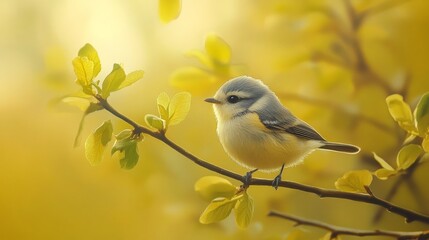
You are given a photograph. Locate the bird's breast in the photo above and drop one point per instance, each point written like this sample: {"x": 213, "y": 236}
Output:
{"x": 249, "y": 143}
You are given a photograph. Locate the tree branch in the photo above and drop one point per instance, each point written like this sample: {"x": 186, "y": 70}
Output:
{"x": 323, "y": 193}
{"x": 336, "y": 230}
{"x": 362, "y": 70}
{"x": 407, "y": 178}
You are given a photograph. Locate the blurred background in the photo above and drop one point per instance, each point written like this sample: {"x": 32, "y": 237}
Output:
{"x": 332, "y": 63}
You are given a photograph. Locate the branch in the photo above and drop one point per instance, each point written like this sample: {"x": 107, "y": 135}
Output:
{"x": 365, "y": 73}
{"x": 323, "y": 193}
{"x": 336, "y": 230}
{"x": 407, "y": 178}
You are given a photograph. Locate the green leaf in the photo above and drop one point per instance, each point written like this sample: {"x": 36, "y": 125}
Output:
{"x": 401, "y": 113}
{"x": 179, "y": 107}
{"x": 89, "y": 51}
{"x": 97, "y": 141}
{"x": 384, "y": 174}
{"x": 131, "y": 78}
{"x": 218, "y": 49}
{"x": 130, "y": 157}
{"x": 163, "y": 101}
{"x": 422, "y": 114}
{"x": 169, "y": 10}
{"x": 93, "y": 107}
{"x": 126, "y": 133}
{"x": 211, "y": 187}
{"x": 155, "y": 122}
{"x": 382, "y": 163}
{"x": 84, "y": 71}
{"x": 408, "y": 155}
{"x": 113, "y": 81}
{"x": 354, "y": 181}
{"x": 217, "y": 210}
{"x": 128, "y": 147}
{"x": 244, "y": 210}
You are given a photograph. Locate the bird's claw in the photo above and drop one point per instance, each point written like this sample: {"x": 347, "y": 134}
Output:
{"x": 278, "y": 178}
{"x": 276, "y": 181}
{"x": 248, "y": 178}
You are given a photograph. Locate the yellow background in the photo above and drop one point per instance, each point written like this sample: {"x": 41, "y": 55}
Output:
{"x": 48, "y": 190}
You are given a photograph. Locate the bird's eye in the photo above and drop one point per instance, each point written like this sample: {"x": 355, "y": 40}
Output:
{"x": 233, "y": 99}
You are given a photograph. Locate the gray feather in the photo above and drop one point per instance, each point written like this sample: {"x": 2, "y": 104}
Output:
{"x": 284, "y": 121}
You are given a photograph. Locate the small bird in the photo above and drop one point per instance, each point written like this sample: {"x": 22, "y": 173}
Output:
{"x": 259, "y": 133}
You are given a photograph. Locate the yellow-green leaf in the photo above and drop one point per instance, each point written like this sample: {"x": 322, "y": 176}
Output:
{"x": 155, "y": 122}
{"x": 217, "y": 210}
{"x": 194, "y": 80}
{"x": 163, "y": 101}
{"x": 179, "y": 108}
{"x": 84, "y": 71}
{"x": 401, "y": 112}
{"x": 382, "y": 162}
{"x": 131, "y": 78}
{"x": 126, "y": 133}
{"x": 354, "y": 181}
{"x": 218, "y": 49}
{"x": 408, "y": 155}
{"x": 384, "y": 174}
{"x": 112, "y": 82}
{"x": 127, "y": 146}
{"x": 169, "y": 10}
{"x": 244, "y": 210}
{"x": 130, "y": 157}
{"x": 422, "y": 114}
{"x": 97, "y": 141}
{"x": 211, "y": 187}
{"x": 89, "y": 51}
{"x": 425, "y": 143}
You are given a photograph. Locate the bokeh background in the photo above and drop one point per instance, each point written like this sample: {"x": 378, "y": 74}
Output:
{"x": 331, "y": 62}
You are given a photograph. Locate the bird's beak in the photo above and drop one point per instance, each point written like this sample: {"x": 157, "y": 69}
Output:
{"x": 212, "y": 100}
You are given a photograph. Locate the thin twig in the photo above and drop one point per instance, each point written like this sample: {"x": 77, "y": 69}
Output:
{"x": 323, "y": 193}
{"x": 364, "y": 72}
{"x": 336, "y": 230}
{"x": 404, "y": 178}
{"x": 392, "y": 192}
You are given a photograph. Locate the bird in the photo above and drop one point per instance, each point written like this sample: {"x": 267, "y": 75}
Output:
{"x": 259, "y": 133}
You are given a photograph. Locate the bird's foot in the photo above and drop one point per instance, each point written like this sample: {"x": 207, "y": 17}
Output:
{"x": 248, "y": 178}
{"x": 276, "y": 181}
{"x": 278, "y": 178}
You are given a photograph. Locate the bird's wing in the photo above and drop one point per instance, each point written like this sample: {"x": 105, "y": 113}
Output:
{"x": 293, "y": 126}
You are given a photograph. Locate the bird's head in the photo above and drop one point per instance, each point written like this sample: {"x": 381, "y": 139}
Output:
{"x": 239, "y": 95}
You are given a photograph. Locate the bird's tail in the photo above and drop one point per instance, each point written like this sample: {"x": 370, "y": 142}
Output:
{"x": 340, "y": 147}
